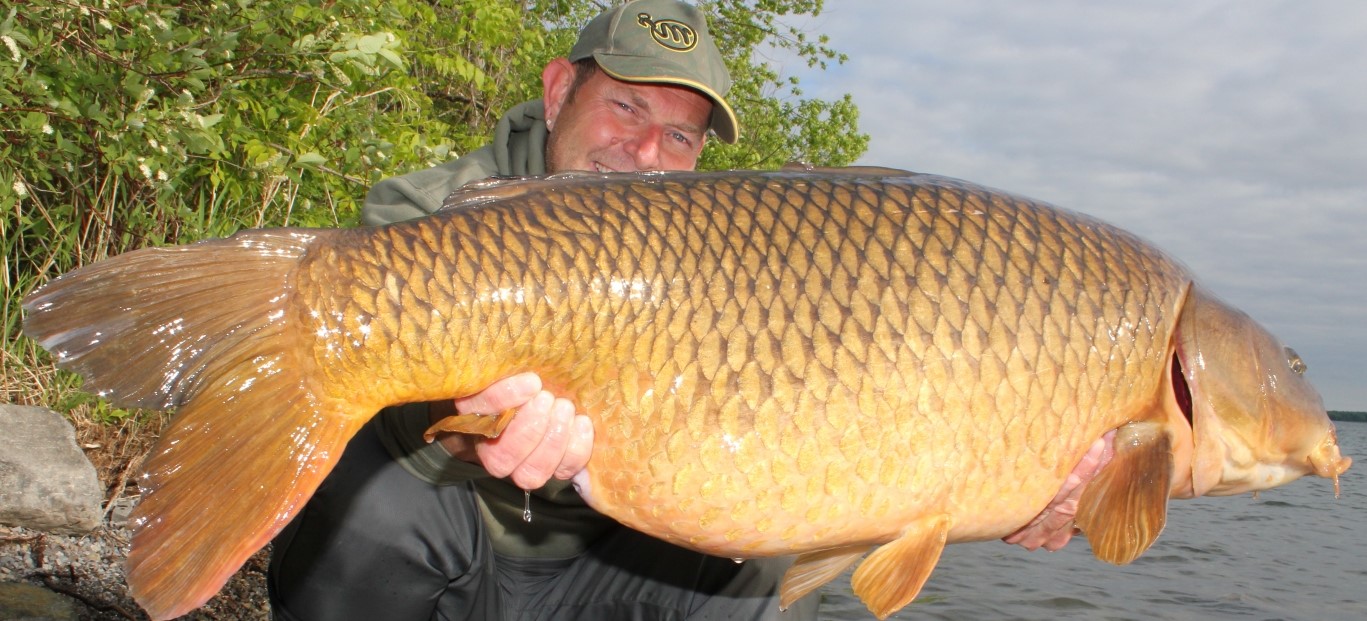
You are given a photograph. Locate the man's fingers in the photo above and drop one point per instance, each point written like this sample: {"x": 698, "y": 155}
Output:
{"x": 502, "y": 455}
{"x": 509, "y": 392}
{"x": 543, "y": 461}
{"x": 544, "y": 439}
{"x": 577, "y": 453}
{"x": 1054, "y": 526}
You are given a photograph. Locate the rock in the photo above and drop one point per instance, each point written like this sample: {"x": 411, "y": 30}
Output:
{"x": 26, "y": 602}
{"x": 46, "y": 481}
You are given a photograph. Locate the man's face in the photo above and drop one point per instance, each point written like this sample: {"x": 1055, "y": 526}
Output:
{"x": 609, "y": 125}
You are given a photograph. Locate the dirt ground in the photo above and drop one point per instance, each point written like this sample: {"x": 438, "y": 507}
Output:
{"x": 89, "y": 569}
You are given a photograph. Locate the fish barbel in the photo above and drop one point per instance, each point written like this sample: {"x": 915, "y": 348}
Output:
{"x": 824, "y": 363}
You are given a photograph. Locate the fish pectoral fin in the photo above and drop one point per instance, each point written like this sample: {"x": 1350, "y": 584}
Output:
{"x": 893, "y": 574}
{"x": 487, "y": 425}
{"x": 1124, "y": 508}
{"x": 813, "y": 569}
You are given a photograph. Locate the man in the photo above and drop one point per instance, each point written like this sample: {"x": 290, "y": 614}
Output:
{"x": 403, "y": 529}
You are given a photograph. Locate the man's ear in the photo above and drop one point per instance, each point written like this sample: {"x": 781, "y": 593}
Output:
{"x": 556, "y": 80}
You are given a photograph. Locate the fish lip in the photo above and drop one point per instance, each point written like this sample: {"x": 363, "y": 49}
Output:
{"x": 1327, "y": 461}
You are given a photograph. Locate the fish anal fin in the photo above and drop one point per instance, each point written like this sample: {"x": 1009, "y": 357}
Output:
{"x": 892, "y": 575}
{"x": 487, "y": 425}
{"x": 813, "y": 569}
{"x": 1125, "y": 507}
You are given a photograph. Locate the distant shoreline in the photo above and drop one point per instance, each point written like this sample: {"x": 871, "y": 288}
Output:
{"x": 1352, "y": 417}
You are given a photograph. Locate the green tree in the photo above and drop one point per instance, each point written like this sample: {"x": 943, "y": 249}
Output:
{"x": 779, "y": 125}
{"x": 1352, "y": 417}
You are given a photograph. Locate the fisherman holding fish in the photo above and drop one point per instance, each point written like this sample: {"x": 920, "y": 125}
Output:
{"x": 855, "y": 366}
{"x": 406, "y": 529}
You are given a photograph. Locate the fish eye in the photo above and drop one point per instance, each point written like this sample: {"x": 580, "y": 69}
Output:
{"x": 1294, "y": 361}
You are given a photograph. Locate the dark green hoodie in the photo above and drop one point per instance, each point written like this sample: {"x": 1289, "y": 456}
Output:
{"x": 518, "y": 150}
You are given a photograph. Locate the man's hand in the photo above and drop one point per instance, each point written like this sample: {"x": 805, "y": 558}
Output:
{"x": 1053, "y": 527}
{"x": 545, "y": 438}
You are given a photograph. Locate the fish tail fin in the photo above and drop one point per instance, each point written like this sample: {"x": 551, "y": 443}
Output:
{"x": 239, "y": 477}
{"x": 146, "y": 328}
{"x": 208, "y": 328}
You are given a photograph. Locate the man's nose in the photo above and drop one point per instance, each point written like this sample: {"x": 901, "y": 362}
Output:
{"x": 644, "y": 147}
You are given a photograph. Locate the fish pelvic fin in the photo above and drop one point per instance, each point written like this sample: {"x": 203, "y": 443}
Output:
{"x": 812, "y": 570}
{"x": 1125, "y": 507}
{"x": 207, "y": 328}
{"x": 892, "y": 576}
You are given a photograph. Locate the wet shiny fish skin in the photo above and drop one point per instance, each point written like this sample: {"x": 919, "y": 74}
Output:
{"x": 798, "y": 362}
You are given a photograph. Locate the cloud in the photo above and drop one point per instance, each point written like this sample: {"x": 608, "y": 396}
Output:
{"x": 1232, "y": 134}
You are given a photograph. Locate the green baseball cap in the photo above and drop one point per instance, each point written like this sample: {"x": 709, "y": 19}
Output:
{"x": 661, "y": 41}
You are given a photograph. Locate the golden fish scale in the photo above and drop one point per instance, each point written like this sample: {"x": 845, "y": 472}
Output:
{"x": 773, "y": 366}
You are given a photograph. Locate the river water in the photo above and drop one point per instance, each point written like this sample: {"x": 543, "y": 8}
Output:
{"x": 1292, "y": 553}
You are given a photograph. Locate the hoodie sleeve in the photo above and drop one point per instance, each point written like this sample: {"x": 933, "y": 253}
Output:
{"x": 518, "y": 149}
{"x": 420, "y": 193}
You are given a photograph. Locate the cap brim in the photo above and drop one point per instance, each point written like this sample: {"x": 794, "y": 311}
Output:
{"x": 637, "y": 69}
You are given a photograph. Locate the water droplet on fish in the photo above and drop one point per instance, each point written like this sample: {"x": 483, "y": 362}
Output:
{"x": 738, "y": 560}
{"x": 527, "y": 506}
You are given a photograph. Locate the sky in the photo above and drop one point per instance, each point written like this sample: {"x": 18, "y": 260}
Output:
{"x": 1233, "y": 135}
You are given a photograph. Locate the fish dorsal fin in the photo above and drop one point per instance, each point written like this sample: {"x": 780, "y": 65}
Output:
{"x": 813, "y": 569}
{"x": 498, "y": 189}
{"x": 864, "y": 171}
{"x": 495, "y": 189}
{"x": 1124, "y": 508}
{"x": 489, "y": 190}
{"x": 894, "y": 573}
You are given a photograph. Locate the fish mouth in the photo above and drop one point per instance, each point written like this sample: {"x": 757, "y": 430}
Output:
{"x": 1328, "y": 462}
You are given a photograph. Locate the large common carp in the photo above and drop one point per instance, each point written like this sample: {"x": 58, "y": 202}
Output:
{"x": 819, "y": 363}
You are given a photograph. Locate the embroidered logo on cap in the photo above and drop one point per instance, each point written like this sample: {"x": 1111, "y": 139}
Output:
{"x": 672, "y": 34}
